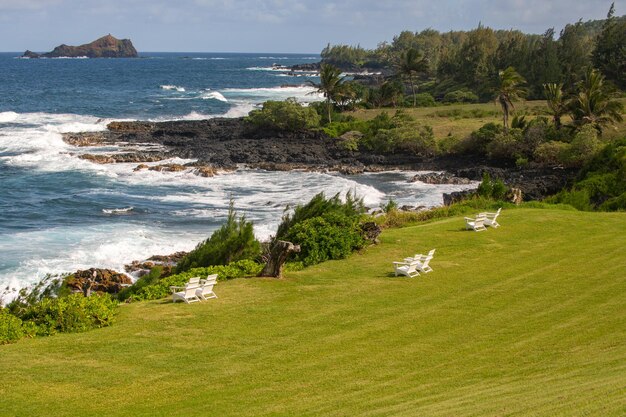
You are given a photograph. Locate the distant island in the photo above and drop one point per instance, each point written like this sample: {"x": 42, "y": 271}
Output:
{"x": 106, "y": 47}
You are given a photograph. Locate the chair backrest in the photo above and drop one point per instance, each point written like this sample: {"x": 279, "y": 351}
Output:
{"x": 190, "y": 290}
{"x": 431, "y": 253}
{"x": 497, "y": 214}
{"x": 207, "y": 287}
{"x": 426, "y": 261}
{"x": 194, "y": 281}
{"x": 212, "y": 277}
{"x": 479, "y": 222}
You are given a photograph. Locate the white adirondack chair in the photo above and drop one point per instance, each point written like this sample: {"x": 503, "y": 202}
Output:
{"x": 408, "y": 269}
{"x": 477, "y": 224}
{"x": 205, "y": 291}
{"x": 186, "y": 293}
{"x": 490, "y": 218}
{"x": 423, "y": 264}
{"x": 420, "y": 257}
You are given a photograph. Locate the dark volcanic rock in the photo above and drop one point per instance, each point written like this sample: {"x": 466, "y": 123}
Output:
{"x": 106, "y": 47}
{"x": 102, "y": 280}
{"x": 439, "y": 178}
{"x": 224, "y": 143}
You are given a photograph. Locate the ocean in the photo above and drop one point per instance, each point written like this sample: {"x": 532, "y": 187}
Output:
{"x": 59, "y": 213}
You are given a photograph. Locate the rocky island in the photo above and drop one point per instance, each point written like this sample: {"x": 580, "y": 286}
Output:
{"x": 106, "y": 47}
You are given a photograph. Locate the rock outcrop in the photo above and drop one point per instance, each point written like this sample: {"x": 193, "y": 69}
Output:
{"x": 106, "y": 47}
{"x": 98, "y": 280}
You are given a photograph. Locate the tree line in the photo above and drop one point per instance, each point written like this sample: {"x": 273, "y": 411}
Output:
{"x": 469, "y": 62}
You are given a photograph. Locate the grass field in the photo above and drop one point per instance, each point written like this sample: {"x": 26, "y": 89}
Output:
{"x": 462, "y": 119}
{"x": 528, "y": 319}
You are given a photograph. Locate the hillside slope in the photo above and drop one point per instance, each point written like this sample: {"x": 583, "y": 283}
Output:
{"x": 527, "y": 319}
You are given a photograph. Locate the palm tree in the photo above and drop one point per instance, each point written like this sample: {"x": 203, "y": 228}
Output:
{"x": 331, "y": 85}
{"x": 410, "y": 64}
{"x": 556, "y": 102}
{"x": 510, "y": 89}
{"x": 593, "y": 104}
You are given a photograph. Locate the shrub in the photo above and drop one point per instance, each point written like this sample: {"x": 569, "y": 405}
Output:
{"x": 551, "y": 153}
{"x": 318, "y": 206}
{"x": 10, "y": 327}
{"x": 584, "y": 146}
{"x": 232, "y": 242}
{"x": 153, "y": 276}
{"x": 324, "y": 228}
{"x": 330, "y": 236}
{"x": 506, "y": 145}
{"x": 411, "y": 137}
{"x": 460, "y": 96}
{"x": 73, "y": 313}
{"x": 424, "y": 100}
{"x": 288, "y": 115}
{"x": 478, "y": 140}
{"x": 489, "y": 188}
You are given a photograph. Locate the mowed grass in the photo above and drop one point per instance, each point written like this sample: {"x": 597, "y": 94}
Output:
{"x": 460, "y": 120}
{"x": 527, "y": 319}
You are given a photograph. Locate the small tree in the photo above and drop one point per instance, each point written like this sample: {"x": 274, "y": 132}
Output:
{"x": 410, "y": 64}
{"x": 510, "y": 88}
{"x": 331, "y": 85}
{"x": 556, "y": 102}
{"x": 593, "y": 104}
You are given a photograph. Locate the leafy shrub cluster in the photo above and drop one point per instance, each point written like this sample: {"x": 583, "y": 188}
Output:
{"x": 601, "y": 184}
{"x": 69, "y": 314}
{"x": 387, "y": 134}
{"x": 492, "y": 189}
{"x": 288, "y": 115}
{"x": 460, "y": 96}
{"x": 160, "y": 287}
{"x": 232, "y": 242}
{"x": 324, "y": 228}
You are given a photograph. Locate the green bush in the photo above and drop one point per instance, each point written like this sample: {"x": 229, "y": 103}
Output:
{"x": 74, "y": 313}
{"x": 161, "y": 288}
{"x": 318, "y": 206}
{"x": 478, "y": 141}
{"x": 324, "y": 228}
{"x": 489, "y": 188}
{"x": 288, "y": 115}
{"x": 10, "y": 327}
{"x": 506, "y": 145}
{"x": 423, "y": 100}
{"x": 601, "y": 184}
{"x": 551, "y": 153}
{"x": 330, "y": 236}
{"x": 460, "y": 96}
{"x": 232, "y": 242}
{"x": 584, "y": 146}
{"x": 448, "y": 145}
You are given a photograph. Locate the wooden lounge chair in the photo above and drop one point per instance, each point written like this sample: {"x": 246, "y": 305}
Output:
{"x": 423, "y": 266}
{"x": 420, "y": 257}
{"x": 186, "y": 293}
{"x": 477, "y": 224}
{"x": 490, "y": 218}
{"x": 205, "y": 291}
{"x": 408, "y": 269}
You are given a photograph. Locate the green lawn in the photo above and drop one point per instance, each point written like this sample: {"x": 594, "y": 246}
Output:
{"x": 527, "y": 319}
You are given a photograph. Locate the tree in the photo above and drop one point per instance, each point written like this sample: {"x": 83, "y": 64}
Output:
{"x": 593, "y": 104}
{"x": 609, "y": 55}
{"x": 575, "y": 46}
{"x": 411, "y": 63}
{"x": 331, "y": 85}
{"x": 509, "y": 89}
{"x": 556, "y": 102}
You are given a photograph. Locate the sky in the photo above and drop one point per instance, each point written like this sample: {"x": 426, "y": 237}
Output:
{"x": 270, "y": 25}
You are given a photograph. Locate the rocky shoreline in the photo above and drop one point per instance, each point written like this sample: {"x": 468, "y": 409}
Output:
{"x": 226, "y": 144}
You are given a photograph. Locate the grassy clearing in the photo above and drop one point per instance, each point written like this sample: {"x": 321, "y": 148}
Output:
{"x": 460, "y": 120}
{"x": 528, "y": 319}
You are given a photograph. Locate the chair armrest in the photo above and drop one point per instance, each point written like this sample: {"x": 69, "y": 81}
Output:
{"x": 471, "y": 219}
{"x": 401, "y": 263}
{"x": 175, "y": 287}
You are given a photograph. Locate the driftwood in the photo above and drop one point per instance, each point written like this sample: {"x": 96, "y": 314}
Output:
{"x": 277, "y": 257}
